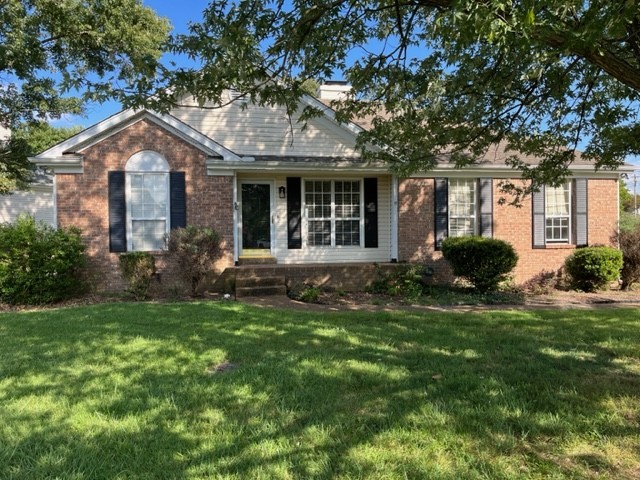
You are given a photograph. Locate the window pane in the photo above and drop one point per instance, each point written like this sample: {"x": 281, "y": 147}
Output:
{"x": 348, "y": 232}
{"x": 136, "y": 181}
{"x": 148, "y": 234}
{"x": 319, "y": 233}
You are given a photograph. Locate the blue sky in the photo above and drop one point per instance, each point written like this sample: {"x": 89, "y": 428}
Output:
{"x": 179, "y": 13}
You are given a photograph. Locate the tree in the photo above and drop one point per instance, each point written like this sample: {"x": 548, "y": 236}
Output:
{"x": 626, "y": 198}
{"x": 440, "y": 77}
{"x": 56, "y": 55}
{"x": 27, "y": 140}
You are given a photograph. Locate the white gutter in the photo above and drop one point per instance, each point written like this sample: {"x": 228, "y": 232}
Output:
{"x": 61, "y": 164}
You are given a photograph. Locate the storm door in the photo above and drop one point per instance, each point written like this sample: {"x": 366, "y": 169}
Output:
{"x": 256, "y": 218}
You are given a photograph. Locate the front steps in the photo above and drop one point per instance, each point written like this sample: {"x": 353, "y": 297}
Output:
{"x": 259, "y": 281}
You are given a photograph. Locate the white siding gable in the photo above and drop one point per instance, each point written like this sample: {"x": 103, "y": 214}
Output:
{"x": 255, "y": 130}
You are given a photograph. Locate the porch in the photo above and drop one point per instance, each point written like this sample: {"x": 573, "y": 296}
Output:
{"x": 267, "y": 279}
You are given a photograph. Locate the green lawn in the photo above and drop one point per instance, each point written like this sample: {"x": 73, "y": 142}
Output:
{"x": 122, "y": 391}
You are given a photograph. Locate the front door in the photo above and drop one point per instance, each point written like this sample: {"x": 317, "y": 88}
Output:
{"x": 256, "y": 218}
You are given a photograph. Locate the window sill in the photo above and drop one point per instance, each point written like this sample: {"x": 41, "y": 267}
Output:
{"x": 560, "y": 246}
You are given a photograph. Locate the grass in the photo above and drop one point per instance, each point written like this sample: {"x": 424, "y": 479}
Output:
{"x": 124, "y": 391}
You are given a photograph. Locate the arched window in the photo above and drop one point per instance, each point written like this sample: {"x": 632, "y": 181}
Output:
{"x": 147, "y": 194}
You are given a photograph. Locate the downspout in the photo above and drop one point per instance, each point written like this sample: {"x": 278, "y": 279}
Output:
{"x": 618, "y": 212}
{"x": 394, "y": 218}
{"x": 55, "y": 201}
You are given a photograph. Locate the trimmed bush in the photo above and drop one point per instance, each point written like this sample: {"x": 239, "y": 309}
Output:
{"x": 138, "y": 269}
{"x": 593, "y": 268}
{"x": 484, "y": 262}
{"x": 629, "y": 242}
{"x": 195, "y": 249}
{"x": 38, "y": 263}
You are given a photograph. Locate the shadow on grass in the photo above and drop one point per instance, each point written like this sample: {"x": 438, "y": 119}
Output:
{"x": 121, "y": 391}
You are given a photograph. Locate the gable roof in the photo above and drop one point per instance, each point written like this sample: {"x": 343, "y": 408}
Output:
{"x": 121, "y": 120}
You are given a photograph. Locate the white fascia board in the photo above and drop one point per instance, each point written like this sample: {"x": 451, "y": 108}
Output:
{"x": 122, "y": 120}
{"x": 216, "y": 167}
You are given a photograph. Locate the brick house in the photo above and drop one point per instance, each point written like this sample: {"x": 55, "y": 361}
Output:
{"x": 301, "y": 199}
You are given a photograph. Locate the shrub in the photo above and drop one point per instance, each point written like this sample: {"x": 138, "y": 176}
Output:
{"x": 305, "y": 292}
{"x": 38, "y": 263}
{"x": 138, "y": 269}
{"x": 406, "y": 281}
{"x": 544, "y": 282}
{"x": 629, "y": 241}
{"x": 592, "y": 268}
{"x": 484, "y": 262}
{"x": 195, "y": 250}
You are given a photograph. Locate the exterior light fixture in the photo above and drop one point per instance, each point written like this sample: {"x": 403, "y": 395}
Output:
{"x": 282, "y": 192}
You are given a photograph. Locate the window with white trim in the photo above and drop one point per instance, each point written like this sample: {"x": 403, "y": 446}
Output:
{"x": 462, "y": 207}
{"x": 147, "y": 193}
{"x": 334, "y": 212}
{"x": 557, "y": 212}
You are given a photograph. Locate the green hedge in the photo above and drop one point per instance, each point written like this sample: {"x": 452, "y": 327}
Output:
{"x": 485, "y": 262}
{"x": 593, "y": 268}
{"x": 38, "y": 263}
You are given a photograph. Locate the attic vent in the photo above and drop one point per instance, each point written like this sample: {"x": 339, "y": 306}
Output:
{"x": 236, "y": 96}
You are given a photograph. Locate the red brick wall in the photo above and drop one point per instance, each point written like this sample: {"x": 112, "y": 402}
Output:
{"x": 416, "y": 222}
{"x": 82, "y": 199}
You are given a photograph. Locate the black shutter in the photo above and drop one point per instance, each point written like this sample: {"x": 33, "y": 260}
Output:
{"x": 538, "y": 228}
{"x": 486, "y": 207}
{"x": 371, "y": 213}
{"x": 582, "y": 200}
{"x": 441, "y": 210}
{"x": 117, "y": 212}
{"x": 294, "y": 212}
{"x": 177, "y": 200}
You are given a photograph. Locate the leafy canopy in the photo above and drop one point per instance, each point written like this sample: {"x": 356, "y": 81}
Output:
{"x": 98, "y": 49}
{"x": 440, "y": 77}
{"x": 26, "y": 140}
{"x": 57, "y": 54}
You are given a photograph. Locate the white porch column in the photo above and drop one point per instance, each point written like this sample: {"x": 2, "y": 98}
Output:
{"x": 394, "y": 218}
{"x": 236, "y": 250}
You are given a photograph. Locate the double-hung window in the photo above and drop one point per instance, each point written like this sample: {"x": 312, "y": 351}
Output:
{"x": 462, "y": 207}
{"x": 334, "y": 212}
{"x": 147, "y": 193}
{"x": 557, "y": 208}
{"x": 149, "y": 210}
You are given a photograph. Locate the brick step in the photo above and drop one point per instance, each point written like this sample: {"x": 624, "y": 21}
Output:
{"x": 260, "y": 291}
{"x": 258, "y": 281}
{"x": 249, "y": 260}
{"x": 249, "y": 271}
